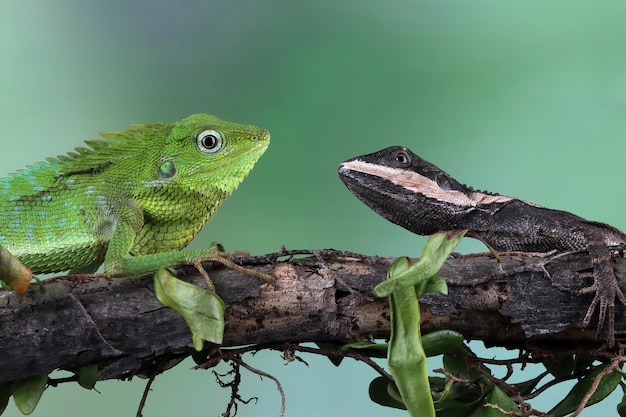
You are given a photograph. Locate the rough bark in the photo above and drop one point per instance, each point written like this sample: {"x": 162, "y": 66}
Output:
{"x": 67, "y": 323}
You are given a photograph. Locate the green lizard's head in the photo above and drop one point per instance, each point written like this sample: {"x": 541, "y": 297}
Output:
{"x": 203, "y": 152}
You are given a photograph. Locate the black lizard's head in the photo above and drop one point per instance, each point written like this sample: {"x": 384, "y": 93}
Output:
{"x": 409, "y": 191}
{"x": 401, "y": 166}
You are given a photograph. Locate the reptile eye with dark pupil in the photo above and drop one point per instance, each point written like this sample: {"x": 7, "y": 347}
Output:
{"x": 402, "y": 158}
{"x": 209, "y": 141}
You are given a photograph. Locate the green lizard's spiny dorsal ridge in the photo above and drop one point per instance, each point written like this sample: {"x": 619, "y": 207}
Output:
{"x": 145, "y": 190}
{"x": 98, "y": 150}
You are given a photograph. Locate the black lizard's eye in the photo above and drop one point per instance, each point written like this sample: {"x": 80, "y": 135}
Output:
{"x": 209, "y": 141}
{"x": 402, "y": 158}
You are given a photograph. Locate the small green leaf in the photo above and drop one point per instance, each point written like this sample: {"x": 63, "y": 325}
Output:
{"x": 202, "y": 310}
{"x": 381, "y": 347}
{"x": 572, "y": 400}
{"x": 27, "y": 392}
{"x": 441, "y": 341}
{"x": 498, "y": 398}
{"x": 621, "y": 407}
{"x": 373, "y": 350}
{"x": 87, "y": 376}
{"x": 379, "y": 393}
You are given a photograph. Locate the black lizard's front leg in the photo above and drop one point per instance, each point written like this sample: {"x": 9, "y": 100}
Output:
{"x": 540, "y": 228}
{"x": 605, "y": 286}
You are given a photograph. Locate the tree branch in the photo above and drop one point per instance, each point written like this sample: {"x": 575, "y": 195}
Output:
{"x": 68, "y": 323}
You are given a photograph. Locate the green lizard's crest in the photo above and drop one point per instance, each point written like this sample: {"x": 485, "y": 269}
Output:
{"x": 98, "y": 151}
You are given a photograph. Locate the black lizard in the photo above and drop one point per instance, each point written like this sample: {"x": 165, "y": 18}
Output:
{"x": 417, "y": 195}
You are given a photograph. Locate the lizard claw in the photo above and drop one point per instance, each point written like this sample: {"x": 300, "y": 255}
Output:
{"x": 604, "y": 301}
{"x": 224, "y": 259}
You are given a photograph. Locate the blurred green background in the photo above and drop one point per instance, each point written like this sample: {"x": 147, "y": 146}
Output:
{"x": 523, "y": 98}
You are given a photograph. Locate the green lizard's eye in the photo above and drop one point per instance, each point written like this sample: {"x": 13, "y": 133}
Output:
{"x": 209, "y": 141}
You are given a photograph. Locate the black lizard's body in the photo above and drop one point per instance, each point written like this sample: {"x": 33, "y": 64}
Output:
{"x": 417, "y": 195}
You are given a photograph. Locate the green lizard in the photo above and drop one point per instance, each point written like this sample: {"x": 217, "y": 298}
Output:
{"x": 145, "y": 191}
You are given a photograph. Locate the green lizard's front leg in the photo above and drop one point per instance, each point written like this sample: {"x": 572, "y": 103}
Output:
{"x": 118, "y": 264}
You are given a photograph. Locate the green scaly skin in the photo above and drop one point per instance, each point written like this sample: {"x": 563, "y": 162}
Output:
{"x": 145, "y": 191}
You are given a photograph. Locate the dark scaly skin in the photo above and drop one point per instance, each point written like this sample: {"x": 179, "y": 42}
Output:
{"x": 417, "y": 195}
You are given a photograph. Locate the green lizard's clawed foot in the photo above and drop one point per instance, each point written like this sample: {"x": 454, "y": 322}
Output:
{"x": 224, "y": 259}
{"x": 217, "y": 254}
